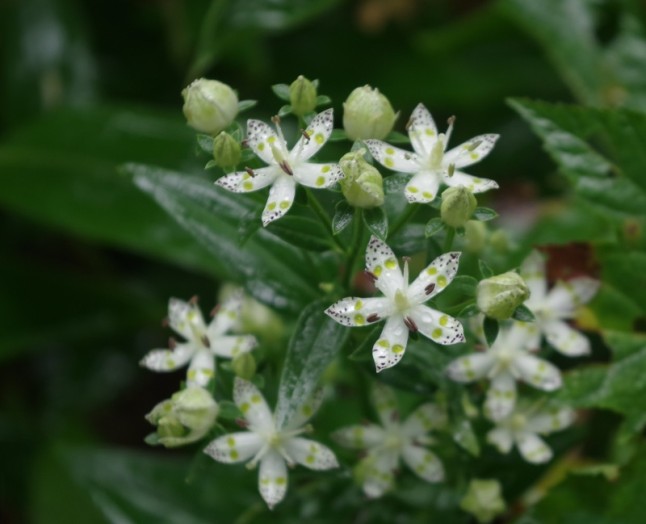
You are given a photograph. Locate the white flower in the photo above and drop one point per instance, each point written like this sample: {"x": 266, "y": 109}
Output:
{"x": 431, "y": 163}
{"x": 503, "y": 364}
{"x": 403, "y": 304}
{"x": 274, "y": 448}
{"x": 553, "y": 307}
{"x": 285, "y": 168}
{"x": 203, "y": 342}
{"x": 523, "y": 427}
{"x": 393, "y": 440}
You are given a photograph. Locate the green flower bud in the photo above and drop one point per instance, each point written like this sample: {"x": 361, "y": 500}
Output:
{"x": 499, "y": 296}
{"x": 475, "y": 236}
{"x": 186, "y": 417}
{"x": 244, "y": 366}
{"x": 226, "y": 151}
{"x": 458, "y": 205}
{"x": 483, "y": 500}
{"x": 209, "y": 106}
{"x": 302, "y": 96}
{"x": 367, "y": 114}
{"x": 499, "y": 240}
{"x": 362, "y": 184}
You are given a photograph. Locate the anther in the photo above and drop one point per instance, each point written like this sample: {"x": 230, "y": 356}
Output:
{"x": 276, "y": 120}
{"x": 250, "y": 171}
{"x": 451, "y": 169}
{"x": 215, "y": 310}
{"x": 194, "y": 300}
{"x": 451, "y": 120}
{"x": 205, "y": 340}
{"x": 373, "y": 318}
{"x": 371, "y": 276}
{"x": 429, "y": 289}
{"x": 306, "y": 135}
{"x": 172, "y": 343}
{"x": 410, "y": 324}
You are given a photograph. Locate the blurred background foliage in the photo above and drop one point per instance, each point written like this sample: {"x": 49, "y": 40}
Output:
{"x": 89, "y": 261}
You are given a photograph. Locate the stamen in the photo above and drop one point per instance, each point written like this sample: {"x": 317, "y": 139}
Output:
{"x": 451, "y": 122}
{"x": 250, "y": 171}
{"x": 215, "y": 310}
{"x": 430, "y": 288}
{"x": 306, "y": 135}
{"x": 373, "y": 318}
{"x": 276, "y": 120}
{"x": 205, "y": 340}
{"x": 194, "y": 300}
{"x": 410, "y": 324}
{"x": 242, "y": 423}
{"x": 172, "y": 343}
{"x": 371, "y": 276}
{"x": 406, "y": 260}
{"x": 451, "y": 170}
{"x": 261, "y": 453}
{"x": 245, "y": 142}
{"x": 285, "y": 167}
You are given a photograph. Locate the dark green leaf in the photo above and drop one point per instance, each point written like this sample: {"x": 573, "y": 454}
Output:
{"x": 343, "y": 214}
{"x": 285, "y": 110}
{"x": 463, "y": 434}
{"x": 243, "y": 105}
{"x": 376, "y": 221}
{"x": 323, "y": 100}
{"x": 228, "y": 410}
{"x": 394, "y": 137}
{"x": 363, "y": 351}
{"x": 485, "y": 270}
{"x": 302, "y": 232}
{"x": 484, "y": 214}
{"x": 205, "y": 143}
{"x": 211, "y": 164}
{"x": 465, "y": 284}
{"x": 337, "y": 135}
{"x": 490, "y": 327}
{"x": 433, "y": 226}
{"x": 281, "y": 91}
{"x": 523, "y": 314}
{"x": 469, "y": 311}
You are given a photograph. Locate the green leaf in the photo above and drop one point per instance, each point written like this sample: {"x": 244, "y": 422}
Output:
{"x": 469, "y": 311}
{"x": 434, "y": 226}
{"x": 625, "y": 271}
{"x": 228, "y": 410}
{"x": 244, "y": 105}
{"x": 465, "y": 436}
{"x": 395, "y": 137}
{"x": 376, "y": 221}
{"x": 485, "y": 270}
{"x": 315, "y": 344}
{"x": 323, "y": 100}
{"x": 363, "y": 351}
{"x": 484, "y": 214}
{"x": 337, "y": 135}
{"x": 285, "y": 110}
{"x": 281, "y": 91}
{"x": 343, "y": 214}
{"x": 624, "y": 344}
{"x": 303, "y": 232}
{"x": 490, "y": 327}
{"x": 466, "y": 284}
{"x": 205, "y": 143}
{"x": 523, "y": 314}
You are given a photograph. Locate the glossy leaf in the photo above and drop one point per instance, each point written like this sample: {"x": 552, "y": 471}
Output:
{"x": 484, "y": 214}
{"x": 376, "y": 221}
{"x": 491, "y": 328}
{"x": 434, "y": 226}
{"x": 281, "y": 91}
{"x": 342, "y": 217}
{"x": 523, "y": 314}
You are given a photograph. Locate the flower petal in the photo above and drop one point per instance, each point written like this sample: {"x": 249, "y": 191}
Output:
{"x": 377, "y": 472}
{"x": 533, "y": 448}
{"x": 425, "y": 418}
{"x": 306, "y": 410}
{"x": 472, "y": 183}
{"x": 272, "y": 478}
{"x": 227, "y": 315}
{"x": 232, "y": 346}
{"x": 318, "y": 176}
{"x": 185, "y": 318}
{"x": 551, "y": 420}
{"x": 531, "y": 338}
{"x": 311, "y": 454}
{"x": 390, "y": 347}
{"x": 281, "y": 198}
{"x": 244, "y": 182}
{"x": 253, "y": 406}
{"x": 318, "y": 131}
{"x": 382, "y": 263}
{"x": 533, "y": 272}
{"x": 234, "y": 447}
{"x": 353, "y": 311}
{"x": 501, "y": 438}
{"x": 538, "y": 372}
{"x": 385, "y": 402}
{"x": 565, "y": 339}
{"x": 565, "y": 297}
{"x": 434, "y": 278}
{"x": 168, "y": 360}
{"x": 423, "y": 187}
{"x": 471, "y": 151}
{"x": 440, "y": 328}
{"x": 424, "y": 463}
{"x": 393, "y": 157}
{"x": 261, "y": 138}
{"x": 422, "y": 130}
{"x": 501, "y": 397}
{"x": 359, "y": 436}
{"x": 471, "y": 367}
{"x": 201, "y": 370}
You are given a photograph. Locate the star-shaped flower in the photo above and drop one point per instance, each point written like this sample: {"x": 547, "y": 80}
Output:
{"x": 403, "y": 304}
{"x": 285, "y": 168}
{"x": 274, "y": 448}
{"x": 203, "y": 342}
{"x": 393, "y": 440}
{"x": 503, "y": 364}
{"x": 553, "y": 307}
{"x": 431, "y": 164}
{"x": 523, "y": 427}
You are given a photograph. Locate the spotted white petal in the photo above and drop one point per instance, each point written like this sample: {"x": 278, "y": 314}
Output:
{"x": 353, "y": 311}
{"x": 359, "y": 436}
{"x": 281, "y": 198}
{"x": 424, "y": 419}
{"x": 385, "y": 403}
{"x": 434, "y": 278}
{"x": 168, "y": 360}
{"x": 533, "y": 448}
{"x": 566, "y": 340}
{"x": 392, "y": 157}
{"x": 390, "y": 347}
{"x": 423, "y": 463}
{"x": 272, "y": 478}
{"x": 377, "y": 470}
{"x": 382, "y": 263}
{"x": 551, "y": 420}
{"x": 318, "y": 176}
{"x": 439, "y": 327}
{"x": 232, "y": 346}
{"x": 261, "y": 139}
{"x": 253, "y": 406}
{"x": 423, "y": 187}
{"x": 185, "y": 318}
{"x": 501, "y": 438}
{"x": 501, "y": 396}
{"x": 538, "y": 372}
{"x": 315, "y": 135}
{"x": 234, "y": 447}
{"x": 245, "y": 182}
{"x": 531, "y": 339}
{"x": 471, "y": 367}
{"x": 306, "y": 410}
{"x": 310, "y": 454}
{"x": 227, "y": 315}
{"x": 472, "y": 183}
{"x": 422, "y": 130}
{"x": 533, "y": 272}
{"x": 471, "y": 151}
{"x": 565, "y": 297}
{"x": 201, "y": 370}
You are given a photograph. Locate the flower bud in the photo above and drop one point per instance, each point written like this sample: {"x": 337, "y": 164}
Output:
{"x": 244, "y": 366}
{"x": 499, "y": 241}
{"x": 475, "y": 236}
{"x": 367, "y": 114}
{"x": 458, "y": 204}
{"x": 209, "y": 106}
{"x": 302, "y": 96}
{"x": 362, "y": 184}
{"x": 499, "y": 296}
{"x": 184, "y": 418}
{"x": 483, "y": 500}
{"x": 226, "y": 151}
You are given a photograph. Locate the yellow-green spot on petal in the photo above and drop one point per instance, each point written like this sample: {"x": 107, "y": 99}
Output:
{"x": 233, "y": 454}
{"x": 441, "y": 281}
{"x": 256, "y": 399}
{"x": 310, "y": 459}
{"x": 412, "y": 189}
{"x": 429, "y": 132}
{"x": 437, "y": 333}
{"x": 248, "y": 186}
{"x": 432, "y": 271}
{"x": 319, "y": 138}
{"x": 191, "y": 374}
{"x": 170, "y": 363}
{"x": 261, "y": 146}
{"x": 359, "y": 320}
{"x": 284, "y": 204}
{"x": 383, "y": 343}
{"x": 444, "y": 320}
{"x": 264, "y": 481}
{"x": 281, "y": 481}
{"x": 245, "y": 407}
{"x": 231, "y": 442}
{"x": 358, "y": 305}
{"x": 390, "y": 263}
{"x": 474, "y": 156}
{"x": 377, "y": 271}
{"x": 271, "y": 206}
{"x": 477, "y": 181}
{"x": 390, "y": 151}
{"x": 428, "y": 195}
{"x": 271, "y": 139}
{"x": 307, "y": 410}
{"x": 398, "y": 348}
{"x": 320, "y": 181}
{"x": 325, "y": 169}
{"x": 389, "y": 162}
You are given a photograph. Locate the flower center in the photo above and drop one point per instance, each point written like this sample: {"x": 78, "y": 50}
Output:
{"x": 437, "y": 153}
{"x": 505, "y": 356}
{"x": 518, "y": 422}
{"x": 401, "y": 301}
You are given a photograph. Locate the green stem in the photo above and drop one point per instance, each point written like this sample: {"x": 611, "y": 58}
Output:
{"x": 410, "y": 210}
{"x": 448, "y": 241}
{"x": 357, "y": 233}
{"x": 323, "y": 217}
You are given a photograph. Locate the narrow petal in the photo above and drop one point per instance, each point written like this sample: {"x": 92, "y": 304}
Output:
{"x": 353, "y": 311}
{"x": 261, "y": 138}
{"x": 311, "y": 454}
{"x": 471, "y": 151}
{"x": 471, "y": 367}
{"x": 318, "y": 176}
{"x": 392, "y": 157}
{"x": 306, "y": 410}
{"x": 234, "y": 447}
{"x": 232, "y": 346}
{"x": 531, "y": 338}
{"x": 424, "y": 419}
{"x": 501, "y": 397}
{"x": 537, "y": 372}
{"x": 227, "y": 315}
{"x": 533, "y": 448}
{"x": 168, "y": 360}
{"x": 281, "y": 198}
{"x": 566, "y": 340}
{"x": 318, "y": 131}
{"x": 272, "y": 478}
{"x": 385, "y": 403}
{"x": 201, "y": 370}
{"x": 390, "y": 347}
{"x": 533, "y": 272}
{"x": 253, "y": 405}
{"x": 472, "y": 183}
{"x": 440, "y": 328}
{"x": 434, "y": 278}
{"x": 377, "y": 471}
{"x": 382, "y": 263}
{"x": 422, "y": 130}
{"x": 551, "y": 420}
{"x": 245, "y": 182}
{"x": 423, "y": 187}
{"x": 501, "y": 438}
{"x": 185, "y": 318}
{"x": 359, "y": 436}
{"x": 566, "y": 297}
{"x": 424, "y": 463}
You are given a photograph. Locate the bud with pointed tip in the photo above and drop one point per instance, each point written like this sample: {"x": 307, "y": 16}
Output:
{"x": 483, "y": 500}
{"x": 226, "y": 151}
{"x": 367, "y": 114}
{"x": 209, "y": 106}
{"x": 458, "y": 205}
{"x": 362, "y": 184}
{"x": 499, "y": 296}
{"x": 302, "y": 96}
